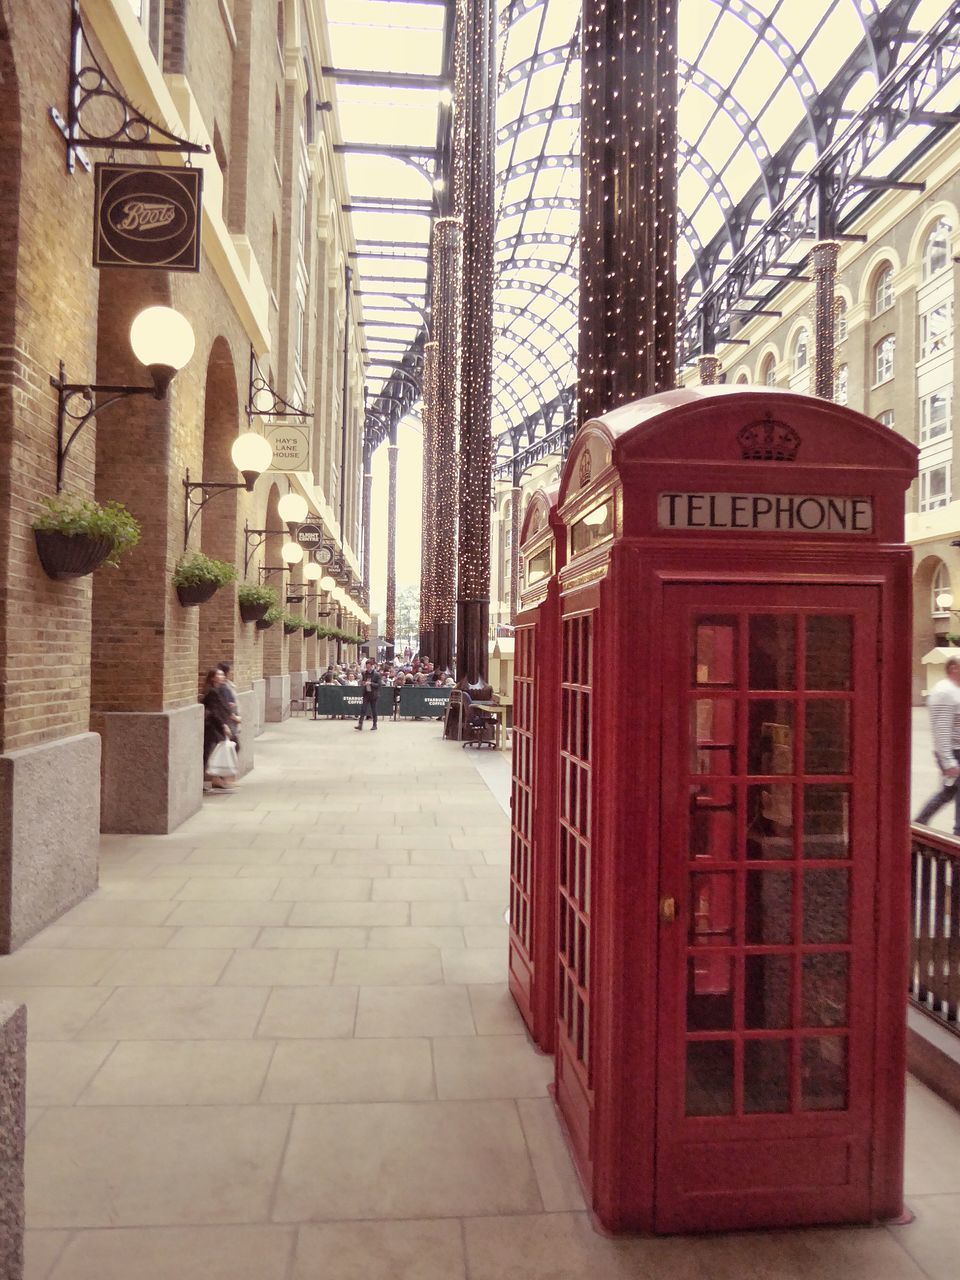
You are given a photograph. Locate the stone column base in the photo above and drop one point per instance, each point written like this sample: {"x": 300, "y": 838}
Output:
{"x": 13, "y": 1127}
{"x": 49, "y": 834}
{"x": 278, "y": 698}
{"x": 152, "y": 778}
{"x": 260, "y": 692}
{"x": 249, "y": 715}
{"x": 297, "y": 680}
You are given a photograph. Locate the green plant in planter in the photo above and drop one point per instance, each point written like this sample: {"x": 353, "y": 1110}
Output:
{"x": 273, "y": 614}
{"x": 251, "y": 594}
{"x": 293, "y": 622}
{"x": 65, "y": 526}
{"x": 198, "y": 570}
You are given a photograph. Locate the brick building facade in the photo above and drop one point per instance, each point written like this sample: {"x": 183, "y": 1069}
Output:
{"x": 99, "y": 722}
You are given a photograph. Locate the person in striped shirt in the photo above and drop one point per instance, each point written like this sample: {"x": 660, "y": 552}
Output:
{"x": 943, "y": 703}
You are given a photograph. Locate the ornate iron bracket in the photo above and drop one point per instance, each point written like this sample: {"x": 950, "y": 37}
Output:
{"x": 277, "y": 407}
{"x": 208, "y": 489}
{"x": 67, "y": 416}
{"x": 253, "y": 540}
{"x": 88, "y": 82}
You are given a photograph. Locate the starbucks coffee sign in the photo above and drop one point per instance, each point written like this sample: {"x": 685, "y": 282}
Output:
{"x": 798, "y": 513}
{"x": 147, "y": 216}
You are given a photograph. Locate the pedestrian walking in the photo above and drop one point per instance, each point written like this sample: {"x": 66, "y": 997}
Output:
{"x": 943, "y": 703}
{"x": 371, "y": 681}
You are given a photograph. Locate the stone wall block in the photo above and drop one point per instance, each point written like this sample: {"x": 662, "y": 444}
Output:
{"x": 13, "y": 1125}
{"x": 49, "y": 833}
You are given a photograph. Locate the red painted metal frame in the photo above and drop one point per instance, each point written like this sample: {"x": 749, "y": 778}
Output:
{"x": 534, "y": 811}
{"x": 687, "y": 441}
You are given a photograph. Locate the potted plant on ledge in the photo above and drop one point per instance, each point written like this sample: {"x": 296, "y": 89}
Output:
{"x": 274, "y": 614}
{"x": 74, "y": 536}
{"x": 293, "y": 622}
{"x": 197, "y": 577}
{"x": 255, "y": 601}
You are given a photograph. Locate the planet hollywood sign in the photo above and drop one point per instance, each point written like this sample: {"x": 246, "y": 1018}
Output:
{"x": 796, "y": 513}
{"x": 147, "y": 216}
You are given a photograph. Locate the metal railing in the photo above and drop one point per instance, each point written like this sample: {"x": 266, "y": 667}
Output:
{"x": 934, "y": 980}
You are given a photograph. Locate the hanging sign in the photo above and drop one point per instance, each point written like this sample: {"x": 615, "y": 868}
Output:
{"x": 309, "y": 535}
{"x": 291, "y": 447}
{"x": 323, "y": 555}
{"x": 147, "y": 216}
{"x": 765, "y": 512}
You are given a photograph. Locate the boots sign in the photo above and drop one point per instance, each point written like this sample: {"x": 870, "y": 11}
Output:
{"x": 147, "y": 216}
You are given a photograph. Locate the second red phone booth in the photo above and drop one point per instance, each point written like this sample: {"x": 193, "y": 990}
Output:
{"x": 733, "y": 789}
{"x": 533, "y": 802}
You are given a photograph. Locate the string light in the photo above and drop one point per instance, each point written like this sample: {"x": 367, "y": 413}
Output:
{"x": 390, "y": 626}
{"x": 824, "y": 256}
{"x": 446, "y": 248}
{"x": 427, "y": 554}
{"x": 474, "y": 202}
{"x": 628, "y": 229}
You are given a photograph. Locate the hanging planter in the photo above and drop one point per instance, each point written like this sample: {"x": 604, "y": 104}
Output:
{"x": 310, "y": 631}
{"x": 198, "y": 577}
{"x": 274, "y": 614}
{"x": 255, "y": 601}
{"x": 196, "y": 593}
{"x": 74, "y": 536}
{"x": 293, "y": 622}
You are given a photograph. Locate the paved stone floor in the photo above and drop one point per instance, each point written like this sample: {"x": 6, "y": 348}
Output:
{"x": 277, "y": 1045}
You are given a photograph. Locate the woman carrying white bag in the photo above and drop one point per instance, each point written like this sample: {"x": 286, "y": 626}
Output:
{"x": 220, "y": 765}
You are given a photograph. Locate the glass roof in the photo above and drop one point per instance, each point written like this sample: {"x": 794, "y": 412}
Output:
{"x": 391, "y": 195}
{"x": 765, "y": 86}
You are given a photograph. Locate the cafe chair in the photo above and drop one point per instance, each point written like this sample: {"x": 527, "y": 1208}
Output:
{"x": 480, "y": 729}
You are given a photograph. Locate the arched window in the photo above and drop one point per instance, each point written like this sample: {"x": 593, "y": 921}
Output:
{"x": 936, "y": 249}
{"x": 280, "y": 26}
{"x": 742, "y": 379}
{"x": 941, "y": 595}
{"x": 883, "y": 359}
{"x": 840, "y": 385}
{"x": 768, "y": 371}
{"x": 883, "y": 291}
{"x": 801, "y": 351}
{"x": 840, "y": 320}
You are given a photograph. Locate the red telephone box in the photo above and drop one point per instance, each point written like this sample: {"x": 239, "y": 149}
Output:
{"x": 536, "y": 714}
{"x": 733, "y": 790}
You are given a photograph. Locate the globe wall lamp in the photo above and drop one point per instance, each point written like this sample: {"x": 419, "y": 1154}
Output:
{"x": 161, "y": 338}
{"x": 292, "y": 509}
{"x": 251, "y": 455}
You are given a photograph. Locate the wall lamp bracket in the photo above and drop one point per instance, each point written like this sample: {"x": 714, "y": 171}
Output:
{"x": 253, "y": 540}
{"x": 200, "y": 492}
{"x": 264, "y": 402}
{"x": 72, "y": 416}
{"x": 266, "y": 569}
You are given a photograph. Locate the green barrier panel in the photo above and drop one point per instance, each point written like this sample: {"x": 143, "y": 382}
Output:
{"x": 346, "y": 700}
{"x": 422, "y": 701}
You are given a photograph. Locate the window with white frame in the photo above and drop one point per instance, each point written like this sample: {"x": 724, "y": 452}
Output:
{"x": 935, "y": 414}
{"x": 886, "y": 418}
{"x": 883, "y": 359}
{"x": 801, "y": 351}
{"x": 839, "y": 320}
{"x": 883, "y": 291}
{"x": 934, "y": 486}
{"x": 939, "y": 590}
{"x": 936, "y": 329}
{"x": 840, "y": 385}
{"x": 936, "y": 249}
{"x": 768, "y": 372}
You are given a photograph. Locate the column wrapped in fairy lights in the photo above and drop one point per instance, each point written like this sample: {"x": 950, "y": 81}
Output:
{"x": 446, "y": 297}
{"x": 516, "y": 496}
{"x": 427, "y": 552}
{"x": 365, "y": 508}
{"x": 475, "y": 78}
{"x": 824, "y": 255}
{"x": 709, "y": 369}
{"x": 390, "y": 626}
{"x": 628, "y": 214}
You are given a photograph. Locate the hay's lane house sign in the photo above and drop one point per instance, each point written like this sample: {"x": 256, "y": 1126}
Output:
{"x": 147, "y": 216}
